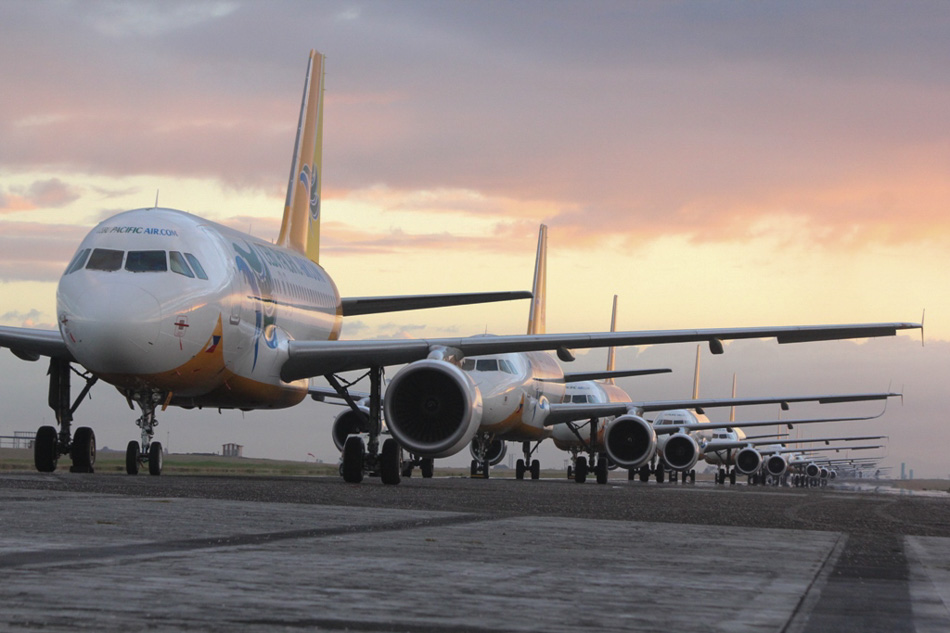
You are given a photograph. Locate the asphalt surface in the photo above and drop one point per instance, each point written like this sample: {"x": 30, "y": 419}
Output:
{"x": 112, "y": 552}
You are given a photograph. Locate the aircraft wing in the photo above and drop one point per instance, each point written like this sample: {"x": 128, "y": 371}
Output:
{"x": 561, "y": 413}
{"x": 618, "y": 373}
{"x": 30, "y": 344}
{"x": 722, "y": 445}
{"x": 317, "y": 358}
{"x": 805, "y": 451}
{"x": 355, "y": 306}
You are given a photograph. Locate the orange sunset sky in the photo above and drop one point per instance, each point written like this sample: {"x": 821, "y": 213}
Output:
{"x": 714, "y": 164}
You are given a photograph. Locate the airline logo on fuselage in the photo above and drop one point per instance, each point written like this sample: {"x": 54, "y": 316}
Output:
{"x": 139, "y": 230}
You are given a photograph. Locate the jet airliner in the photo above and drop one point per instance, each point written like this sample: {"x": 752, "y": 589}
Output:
{"x": 175, "y": 310}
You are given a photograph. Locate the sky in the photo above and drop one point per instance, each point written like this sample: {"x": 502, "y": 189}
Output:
{"x": 714, "y": 164}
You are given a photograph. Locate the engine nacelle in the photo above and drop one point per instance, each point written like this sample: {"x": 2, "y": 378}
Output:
{"x": 832, "y": 474}
{"x": 748, "y": 461}
{"x": 680, "y": 452}
{"x": 347, "y": 423}
{"x": 496, "y": 451}
{"x": 776, "y": 465}
{"x": 432, "y": 408}
{"x": 630, "y": 441}
{"x": 812, "y": 470}
{"x": 824, "y": 472}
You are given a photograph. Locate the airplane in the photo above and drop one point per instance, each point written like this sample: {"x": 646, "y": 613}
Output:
{"x": 748, "y": 455}
{"x": 780, "y": 461}
{"x": 676, "y": 437}
{"x": 175, "y": 310}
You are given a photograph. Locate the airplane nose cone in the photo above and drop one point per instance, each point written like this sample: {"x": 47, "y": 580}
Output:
{"x": 111, "y": 328}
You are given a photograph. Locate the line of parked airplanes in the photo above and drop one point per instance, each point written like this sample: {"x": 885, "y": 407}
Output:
{"x": 175, "y": 310}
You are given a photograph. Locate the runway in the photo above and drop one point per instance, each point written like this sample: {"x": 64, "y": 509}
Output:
{"x": 112, "y": 552}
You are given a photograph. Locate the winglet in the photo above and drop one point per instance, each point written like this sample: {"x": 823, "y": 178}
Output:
{"x": 300, "y": 229}
{"x": 536, "y": 315}
{"x": 922, "y": 326}
{"x": 696, "y": 376}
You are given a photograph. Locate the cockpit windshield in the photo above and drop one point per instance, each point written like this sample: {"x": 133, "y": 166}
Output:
{"x": 488, "y": 364}
{"x": 110, "y": 260}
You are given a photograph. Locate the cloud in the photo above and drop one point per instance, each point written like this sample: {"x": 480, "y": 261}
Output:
{"x": 42, "y": 194}
{"x": 31, "y": 319}
{"x": 631, "y": 118}
{"x": 36, "y": 252}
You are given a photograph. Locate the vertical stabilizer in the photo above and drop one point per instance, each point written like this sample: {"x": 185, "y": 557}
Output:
{"x": 696, "y": 376}
{"x": 538, "y": 288}
{"x": 612, "y": 351}
{"x": 732, "y": 410}
{"x": 300, "y": 229}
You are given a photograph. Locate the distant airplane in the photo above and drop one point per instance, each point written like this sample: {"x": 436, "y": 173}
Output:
{"x": 175, "y": 310}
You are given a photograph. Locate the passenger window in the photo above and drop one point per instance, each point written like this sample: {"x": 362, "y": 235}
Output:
{"x": 179, "y": 265}
{"x": 146, "y": 262}
{"x": 105, "y": 259}
{"x": 78, "y": 261}
{"x": 196, "y": 266}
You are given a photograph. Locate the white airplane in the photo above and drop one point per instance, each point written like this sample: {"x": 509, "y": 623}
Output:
{"x": 748, "y": 455}
{"x": 175, "y": 310}
{"x": 673, "y": 441}
{"x": 804, "y": 462}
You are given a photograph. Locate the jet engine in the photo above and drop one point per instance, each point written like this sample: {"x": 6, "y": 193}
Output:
{"x": 496, "y": 451}
{"x": 824, "y": 473}
{"x": 812, "y": 470}
{"x": 681, "y": 452}
{"x": 776, "y": 465}
{"x": 432, "y": 408}
{"x": 748, "y": 461}
{"x": 630, "y": 441}
{"x": 832, "y": 474}
{"x": 347, "y": 423}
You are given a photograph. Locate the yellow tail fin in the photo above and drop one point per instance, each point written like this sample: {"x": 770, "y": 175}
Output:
{"x": 539, "y": 287}
{"x": 300, "y": 229}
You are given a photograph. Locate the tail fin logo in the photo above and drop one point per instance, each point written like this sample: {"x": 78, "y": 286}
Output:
{"x": 312, "y": 183}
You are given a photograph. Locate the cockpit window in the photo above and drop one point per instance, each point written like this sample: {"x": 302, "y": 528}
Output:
{"x": 146, "y": 262}
{"x": 196, "y": 266}
{"x": 579, "y": 399}
{"x": 105, "y": 259}
{"x": 486, "y": 364}
{"x": 179, "y": 265}
{"x": 506, "y": 366}
{"x": 78, "y": 261}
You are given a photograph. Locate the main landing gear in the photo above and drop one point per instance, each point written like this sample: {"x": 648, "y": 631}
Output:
{"x": 583, "y": 465}
{"x": 364, "y": 457}
{"x": 726, "y": 473}
{"x": 50, "y": 444}
{"x": 148, "y": 453}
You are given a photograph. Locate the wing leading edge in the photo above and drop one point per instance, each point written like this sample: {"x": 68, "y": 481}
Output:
{"x": 317, "y": 358}
{"x": 355, "y": 306}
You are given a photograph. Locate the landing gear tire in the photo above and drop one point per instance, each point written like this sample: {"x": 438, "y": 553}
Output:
{"x": 427, "y": 467}
{"x": 580, "y": 470}
{"x": 132, "y": 458}
{"x": 659, "y": 473}
{"x": 601, "y": 471}
{"x": 353, "y": 455}
{"x": 644, "y": 473}
{"x": 45, "y": 450}
{"x": 519, "y": 469}
{"x": 631, "y": 474}
{"x": 473, "y": 469}
{"x": 389, "y": 465}
{"x": 692, "y": 476}
{"x": 535, "y": 469}
{"x": 732, "y": 478}
{"x": 83, "y": 451}
{"x": 156, "y": 459}
{"x": 570, "y": 472}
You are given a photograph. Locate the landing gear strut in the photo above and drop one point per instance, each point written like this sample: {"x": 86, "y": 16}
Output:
{"x": 50, "y": 444}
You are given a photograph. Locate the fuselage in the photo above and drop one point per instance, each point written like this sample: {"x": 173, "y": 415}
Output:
{"x": 516, "y": 391}
{"x": 577, "y": 437}
{"x": 162, "y": 301}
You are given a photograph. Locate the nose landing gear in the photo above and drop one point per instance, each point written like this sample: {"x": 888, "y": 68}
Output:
{"x": 148, "y": 453}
